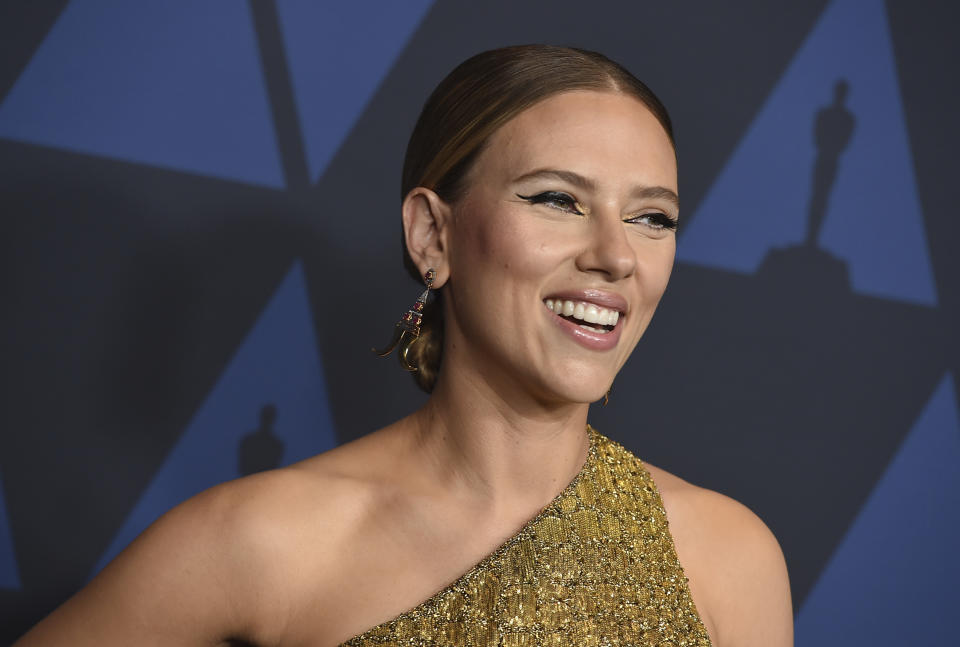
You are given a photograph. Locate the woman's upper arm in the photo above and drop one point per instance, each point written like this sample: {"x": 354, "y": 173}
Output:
{"x": 192, "y": 578}
{"x": 749, "y": 586}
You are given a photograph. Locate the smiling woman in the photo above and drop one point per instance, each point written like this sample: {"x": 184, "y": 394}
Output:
{"x": 555, "y": 206}
{"x": 467, "y": 113}
{"x": 540, "y": 206}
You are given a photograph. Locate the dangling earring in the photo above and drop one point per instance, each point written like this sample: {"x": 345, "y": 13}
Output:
{"x": 606, "y": 397}
{"x": 407, "y": 329}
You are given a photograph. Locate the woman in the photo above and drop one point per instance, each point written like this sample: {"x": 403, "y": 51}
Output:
{"x": 540, "y": 205}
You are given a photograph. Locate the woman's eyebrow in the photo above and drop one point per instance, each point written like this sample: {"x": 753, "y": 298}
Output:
{"x": 657, "y": 193}
{"x": 567, "y": 176}
{"x": 649, "y": 192}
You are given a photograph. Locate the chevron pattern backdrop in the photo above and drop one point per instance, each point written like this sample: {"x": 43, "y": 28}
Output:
{"x": 187, "y": 186}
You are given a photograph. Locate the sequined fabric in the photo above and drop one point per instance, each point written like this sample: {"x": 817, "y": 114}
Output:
{"x": 596, "y": 567}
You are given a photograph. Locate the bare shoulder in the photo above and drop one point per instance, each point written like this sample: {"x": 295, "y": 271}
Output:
{"x": 735, "y": 565}
{"x": 239, "y": 561}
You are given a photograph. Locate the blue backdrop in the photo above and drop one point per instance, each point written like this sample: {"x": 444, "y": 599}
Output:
{"x": 186, "y": 187}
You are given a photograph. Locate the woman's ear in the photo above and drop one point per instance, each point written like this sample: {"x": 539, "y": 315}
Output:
{"x": 426, "y": 229}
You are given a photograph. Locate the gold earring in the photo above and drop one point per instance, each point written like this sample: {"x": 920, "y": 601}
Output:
{"x": 407, "y": 329}
{"x": 606, "y": 397}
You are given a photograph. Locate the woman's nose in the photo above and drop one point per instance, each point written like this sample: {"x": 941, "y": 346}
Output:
{"x": 608, "y": 248}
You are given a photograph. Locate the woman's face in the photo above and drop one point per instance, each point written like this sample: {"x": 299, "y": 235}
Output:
{"x": 562, "y": 244}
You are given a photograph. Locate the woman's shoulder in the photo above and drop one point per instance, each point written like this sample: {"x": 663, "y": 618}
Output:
{"x": 242, "y": 560}
{"x": 327, "y": 496}
{"x": 734, "y": 563}
{"x": 297, "y": 536}
{"x": 706, "y": 520}
{"x": 328, "y": 491}
{"x": 300, "y": 518}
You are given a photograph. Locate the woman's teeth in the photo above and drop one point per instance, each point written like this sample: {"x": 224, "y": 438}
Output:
{"x": 586, "y": 312}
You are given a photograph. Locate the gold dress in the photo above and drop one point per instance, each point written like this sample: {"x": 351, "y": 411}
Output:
{"x": 596, "y": 567}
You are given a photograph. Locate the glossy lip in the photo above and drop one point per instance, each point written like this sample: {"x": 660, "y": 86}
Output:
{"x": 591, "y": 340}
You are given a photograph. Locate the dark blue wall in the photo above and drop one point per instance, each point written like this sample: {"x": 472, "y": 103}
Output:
{"x": 201, "y": 244}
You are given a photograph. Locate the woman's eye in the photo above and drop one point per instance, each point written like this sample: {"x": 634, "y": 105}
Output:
{"x": 658, "y": 221}
{"x": 555, "y": 199}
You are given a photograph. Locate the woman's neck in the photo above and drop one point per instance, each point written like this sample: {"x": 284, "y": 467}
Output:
{"x": 504, "y": 452}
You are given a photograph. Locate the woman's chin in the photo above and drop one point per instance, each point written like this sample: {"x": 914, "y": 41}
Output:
{"x": 582, "y": 382}
{"x": 567, "y": 394}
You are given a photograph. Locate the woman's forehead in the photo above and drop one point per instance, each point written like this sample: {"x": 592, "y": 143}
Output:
{"x": 589, "y": 132}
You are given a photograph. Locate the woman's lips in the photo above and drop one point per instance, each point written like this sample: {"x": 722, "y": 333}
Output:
{"x": 589, "y": 338}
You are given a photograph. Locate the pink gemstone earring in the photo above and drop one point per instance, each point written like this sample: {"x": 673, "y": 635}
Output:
{"x": 407, "y": 329}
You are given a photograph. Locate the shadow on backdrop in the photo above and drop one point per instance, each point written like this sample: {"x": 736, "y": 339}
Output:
{"x": 832, "y": 129}
{"x": 261, "y": 449}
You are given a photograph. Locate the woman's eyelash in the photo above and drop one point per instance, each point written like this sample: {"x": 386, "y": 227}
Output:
{"x": 556, "y": 199}
{"x": 566, "y": 202}
{"x": 657, "y": 221}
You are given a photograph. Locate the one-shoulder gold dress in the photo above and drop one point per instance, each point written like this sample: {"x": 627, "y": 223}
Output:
{"x": 595, "y": 568}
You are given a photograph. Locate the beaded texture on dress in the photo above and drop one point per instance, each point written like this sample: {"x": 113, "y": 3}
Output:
{"x": 595, "y": 568}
